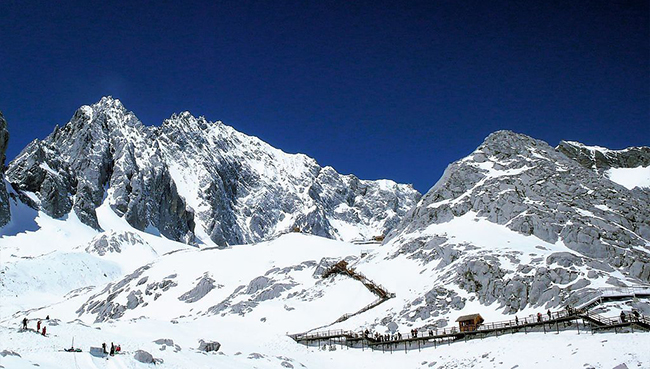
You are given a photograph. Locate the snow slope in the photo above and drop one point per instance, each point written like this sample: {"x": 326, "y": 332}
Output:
{"x": 256, "y": 337}
{"x": 630, "y": 177}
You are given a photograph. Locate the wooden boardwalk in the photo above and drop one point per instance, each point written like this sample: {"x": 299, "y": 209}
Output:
{"x": 558, "y": 321}
{"x": 378, "y": 290}
{"x": 567, "y": 319}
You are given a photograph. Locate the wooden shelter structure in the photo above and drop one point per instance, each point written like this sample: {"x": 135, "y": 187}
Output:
{"x": 469, "y": 322}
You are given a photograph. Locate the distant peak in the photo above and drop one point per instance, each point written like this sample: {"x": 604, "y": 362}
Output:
{"x": 505, "y": 134}
{"x": 108, "y": 102}
{"x": 187, "y": 121}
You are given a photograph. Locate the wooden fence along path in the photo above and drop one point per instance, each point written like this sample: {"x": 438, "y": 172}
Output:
{"x": 569, "y": 318}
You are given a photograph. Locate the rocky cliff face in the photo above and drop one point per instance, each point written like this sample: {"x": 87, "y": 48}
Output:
{"x": 193, "y": 178}
{"x": 601, "y": 159}
{"x": 5, "y": 214}
{"x": 519, "y": 224}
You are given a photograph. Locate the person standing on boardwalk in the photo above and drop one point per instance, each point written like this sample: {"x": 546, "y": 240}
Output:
{"x": 549, "y": 314}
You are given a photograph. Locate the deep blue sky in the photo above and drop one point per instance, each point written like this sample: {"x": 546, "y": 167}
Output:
{"x": 380, "y": 89}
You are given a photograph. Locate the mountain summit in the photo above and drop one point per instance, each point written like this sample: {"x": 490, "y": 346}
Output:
{"x": 520, "y": 224}
{"x": 194, "y": 180}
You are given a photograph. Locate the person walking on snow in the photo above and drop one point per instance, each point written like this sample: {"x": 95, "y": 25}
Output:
{"x": 43, "y": 331}
{"x": 38, "y": 326}
{"x": 25, "y": 323}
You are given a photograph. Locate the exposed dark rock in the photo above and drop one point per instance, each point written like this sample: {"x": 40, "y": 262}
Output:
{"x": 5, "y": 212}
{"x": 600, "y": 159}
{"x": 209, "y": 346}
{"x": 202, "y": 288}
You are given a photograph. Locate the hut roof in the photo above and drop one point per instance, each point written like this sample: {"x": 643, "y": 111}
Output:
{"x": 469, "y": 317}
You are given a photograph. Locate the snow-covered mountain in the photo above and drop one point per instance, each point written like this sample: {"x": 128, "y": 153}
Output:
{"x": 191, "y": 179}
{"x": 514, "y": 228}
{"x": 518, "y": 224}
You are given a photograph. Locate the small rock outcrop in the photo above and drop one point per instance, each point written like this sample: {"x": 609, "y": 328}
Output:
{"x": 209, "y": 346}
{"x": 143, "y": 357}
{"x": 202, "y": 288}
{"x": 114, "y": 242}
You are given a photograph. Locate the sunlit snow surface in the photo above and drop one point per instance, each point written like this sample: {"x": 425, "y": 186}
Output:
{"x": 630, "y": 177}
{"x": 52, "y": 272}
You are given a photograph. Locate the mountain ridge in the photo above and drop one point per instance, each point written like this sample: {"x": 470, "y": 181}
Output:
{"x": 193, "y": 180}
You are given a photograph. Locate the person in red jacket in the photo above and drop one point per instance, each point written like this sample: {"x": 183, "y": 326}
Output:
{"x": 38, "y": 326}
{"x": 43, "y": 331}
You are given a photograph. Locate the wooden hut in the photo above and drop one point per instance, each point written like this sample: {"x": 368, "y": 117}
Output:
{"x": 469, "y": 322}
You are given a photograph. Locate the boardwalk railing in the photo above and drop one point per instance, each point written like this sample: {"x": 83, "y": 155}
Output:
{"x": 596, "y": 321}
{"x": 612, "y": 293}
{"x": 625, "y": 291}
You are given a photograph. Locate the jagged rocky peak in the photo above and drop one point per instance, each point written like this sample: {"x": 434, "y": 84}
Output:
{"x": 5, "y": 212}
{"x": 527, "y": 203}
{"x": 191, "y": 177}
{"x": 245, "y": 190}
{"x": 103, "y": 149}
{"x": 601, "y": 159}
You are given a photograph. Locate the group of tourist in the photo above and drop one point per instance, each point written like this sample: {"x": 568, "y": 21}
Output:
{"x": 114, "y": 349}
{"x": 38, "y": 326}
{"x": 387, "y": 337}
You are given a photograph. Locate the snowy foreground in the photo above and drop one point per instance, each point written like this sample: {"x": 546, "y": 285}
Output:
{"x": 259, "y": 294}
{"x": 268, "y": 350}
